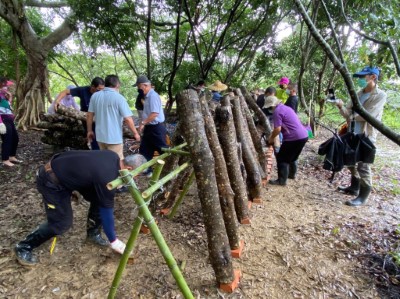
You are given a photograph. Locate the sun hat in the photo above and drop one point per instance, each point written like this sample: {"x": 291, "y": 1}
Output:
{"x": 140, "y": 80}
{"x": 217, "y": 86}
{"x": 368, "y": 70}
{"x": 284, "y": 80}
{"x": 271, "y": 101}
{"x": 9, "y": 83}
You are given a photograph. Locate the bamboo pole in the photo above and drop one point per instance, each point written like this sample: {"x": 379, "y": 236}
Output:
{"x": 135, "y": 193}
{"x": 117, "y": 182}
{"x": 162, "y": 245}
{"x": 147, "y": 193}
{"x": 181, "y": 196}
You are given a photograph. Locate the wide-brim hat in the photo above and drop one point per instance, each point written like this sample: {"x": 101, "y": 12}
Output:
{"x": 141, "y": 80}
{"x": 218, "y": 86}
{"x": 368, "y": 70}
{"x": 271, "y": 101}
{"x": 284, "y": 80}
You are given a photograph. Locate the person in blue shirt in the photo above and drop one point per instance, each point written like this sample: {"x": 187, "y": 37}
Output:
{"x": 110, "y": 109}
{"x": 84, "y": 93}
{"x": 154, "y": 131}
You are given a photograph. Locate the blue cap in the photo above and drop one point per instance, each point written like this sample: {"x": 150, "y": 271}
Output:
{"x": 368, "y": 70}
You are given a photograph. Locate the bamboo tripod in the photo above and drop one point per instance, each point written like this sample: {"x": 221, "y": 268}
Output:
{"x": 142, "y": 199}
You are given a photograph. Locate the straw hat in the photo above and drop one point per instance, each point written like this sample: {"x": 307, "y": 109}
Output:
{"x": 218, "y": 86}
{"x": 271, "y": 101}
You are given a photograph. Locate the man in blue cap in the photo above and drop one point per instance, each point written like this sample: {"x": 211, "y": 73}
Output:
{"x": 373, "y": 100}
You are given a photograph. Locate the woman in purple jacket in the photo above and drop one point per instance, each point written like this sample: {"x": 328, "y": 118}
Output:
{"x": 295, "y": 137}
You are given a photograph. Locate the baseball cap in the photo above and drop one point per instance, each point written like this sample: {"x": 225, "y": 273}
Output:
{"x": 368, "y": 70}
{"x": 140, "y": 80}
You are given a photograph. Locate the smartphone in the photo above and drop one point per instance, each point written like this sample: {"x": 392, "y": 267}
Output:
{"x": 331, "y": 94}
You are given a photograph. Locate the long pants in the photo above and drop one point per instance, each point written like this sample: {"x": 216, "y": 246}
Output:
{"x": 363, "y": 172}
{"x": 57, "y": 204}
{"x": 9, "y": 140}
{"x": 290, "y": 150}
{"x": 153, "y": 139}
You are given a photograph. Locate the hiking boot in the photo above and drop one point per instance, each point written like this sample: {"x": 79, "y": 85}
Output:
{"x": 23, "y": 249}
{"x": 94, "y": 236}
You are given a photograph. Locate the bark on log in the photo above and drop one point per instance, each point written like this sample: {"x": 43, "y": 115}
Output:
{"x": 264, "y": 122}
{"x": 203, "y": 164}
{"x": 250, "y": 161}
{"x": 176, "y": 187}
{"x": 71, "y": 112}
{"x": 255, "y": 136}
{"x": 170, "y": 164}
{"x": 227, "y": 137}
{"x": 224, "y": 188}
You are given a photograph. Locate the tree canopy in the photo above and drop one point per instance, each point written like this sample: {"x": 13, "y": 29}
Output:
{"x": 180, "y": 42}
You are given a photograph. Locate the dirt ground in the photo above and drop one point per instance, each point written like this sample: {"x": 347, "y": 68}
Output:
{"x": 302, "y": 241}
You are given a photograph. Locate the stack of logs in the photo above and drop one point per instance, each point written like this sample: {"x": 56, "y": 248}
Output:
{"x": 66, "y": 128}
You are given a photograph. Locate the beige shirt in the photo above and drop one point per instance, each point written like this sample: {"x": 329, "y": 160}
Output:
{"x": 374, "y": 105}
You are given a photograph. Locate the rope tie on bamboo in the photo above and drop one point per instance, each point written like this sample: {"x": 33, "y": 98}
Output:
{"x": 130, "y": 182}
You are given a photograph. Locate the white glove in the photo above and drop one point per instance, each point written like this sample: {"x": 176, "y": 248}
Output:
{"x": 3, "y": 129}
{"x": 118, "y": 246}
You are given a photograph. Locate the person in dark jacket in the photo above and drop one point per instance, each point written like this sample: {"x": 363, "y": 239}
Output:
{"x": 87, "y": 172}
{"x": 293, "y": 100}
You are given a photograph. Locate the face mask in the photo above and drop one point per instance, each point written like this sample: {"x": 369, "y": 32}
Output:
{"x": 281, "y": 86}
{"x": 287, "y": 91}
{"x": 362, "y": 82}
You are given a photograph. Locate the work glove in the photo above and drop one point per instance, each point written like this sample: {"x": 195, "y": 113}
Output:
{"x": 118, "y": 246}
{"x": 3, "y": 128}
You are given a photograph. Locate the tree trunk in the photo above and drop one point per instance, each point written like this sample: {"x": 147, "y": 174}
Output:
{"x": 224, "y": 188}
{"x": 227, "y": 137}
{"x": 203, "y": 165}
{"x": 33, "y": 88}
{"x": 250, "y": 161}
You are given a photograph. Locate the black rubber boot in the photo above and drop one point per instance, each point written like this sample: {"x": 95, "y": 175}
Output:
{"x": 354, "y": 187}
{"x": 292, "y": 170}
{"x": 283, "y": 172}
{"x": 361, "y": 198}
{"x": 94, "y": 227}
{"x": 23, "y": 249}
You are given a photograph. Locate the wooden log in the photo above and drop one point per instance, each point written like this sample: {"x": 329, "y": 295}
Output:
{"x": 254, "y": 135}
{"x": 227, "y": 138}
{"x": 254, "y": 181}
{"x": 176, "y": 187}
{"x": 71, "y": 112}
{"x": 225, "y": 191}
{"x": 203, "y": 165}
{"x": 263, "y": 120}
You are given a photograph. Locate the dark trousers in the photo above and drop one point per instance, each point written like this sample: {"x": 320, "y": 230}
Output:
{"x": 57, "y": 204}
{"x": 290, "y": 151}
{"x": 94, "y": 145}
{"x": 9, "y": 140}
{"x": 153, "y": 139}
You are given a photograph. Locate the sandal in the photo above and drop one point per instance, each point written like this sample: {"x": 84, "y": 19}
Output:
{"x": 16, "y": 161}
{"x": 8, "y": 164}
